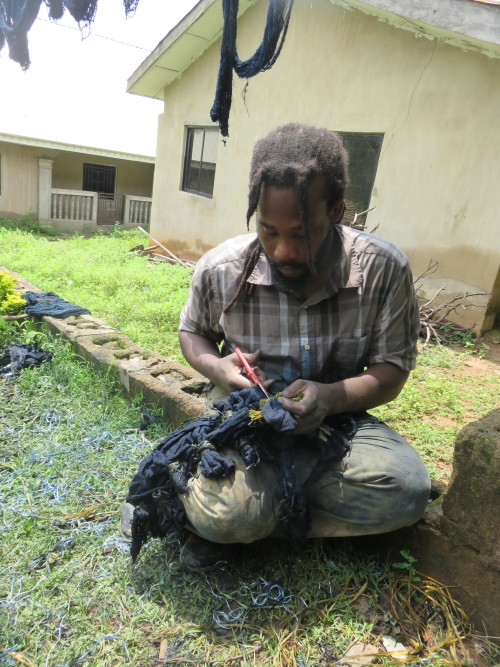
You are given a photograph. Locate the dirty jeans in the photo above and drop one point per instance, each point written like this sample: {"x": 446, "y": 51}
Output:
{"x": 381, "y": 485}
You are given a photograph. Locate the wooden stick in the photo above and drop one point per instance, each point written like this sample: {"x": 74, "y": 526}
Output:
{"x": 162, "y": 258}
{"x": 11, "y": 318}
{"x": 171, "y": 254}
{"x": 150, "y": 248}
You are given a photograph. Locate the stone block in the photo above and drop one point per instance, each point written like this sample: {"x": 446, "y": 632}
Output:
{"x": 471, "y": 507}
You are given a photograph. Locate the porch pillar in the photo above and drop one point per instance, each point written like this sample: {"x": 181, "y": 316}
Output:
{"x": 126, "y": 210}
{"x": 44, "y": 188}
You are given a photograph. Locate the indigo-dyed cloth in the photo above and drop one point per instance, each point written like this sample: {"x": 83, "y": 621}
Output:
{"x": 48, "y": 303}
{"x": 17, "y": 357}
{"x": 196, "y": 448}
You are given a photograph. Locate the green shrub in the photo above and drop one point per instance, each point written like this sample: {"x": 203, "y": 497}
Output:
{"x": 10, "y": 301}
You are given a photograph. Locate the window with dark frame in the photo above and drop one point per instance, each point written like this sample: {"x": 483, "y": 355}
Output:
{"x": 364, "y": 153}
{"x": 99, "y": 178}
{"x": 200, "y": 160}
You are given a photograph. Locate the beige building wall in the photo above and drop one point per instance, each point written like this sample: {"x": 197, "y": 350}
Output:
{"x": 435, "y": 192}
{"x": 18, "y": 181}
{"x": 19, "y": 176}
{"x": 132, "y": 178}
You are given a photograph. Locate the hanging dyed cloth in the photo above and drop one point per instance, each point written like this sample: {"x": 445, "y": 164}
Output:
{"x": 278, "y": 18}
{"x": 17, "y": 17}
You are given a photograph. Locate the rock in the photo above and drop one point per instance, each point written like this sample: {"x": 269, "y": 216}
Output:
{"x": 458, "y": 540}
{"x": 471, "y": 505}
{"x": 359, "y": 655}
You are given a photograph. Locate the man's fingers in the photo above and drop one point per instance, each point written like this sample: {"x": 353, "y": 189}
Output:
{"x": 294, "y": 389}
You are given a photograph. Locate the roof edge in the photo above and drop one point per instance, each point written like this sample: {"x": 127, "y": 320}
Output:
{"x": 73, "y": 148}
{"x": 198, "y": 10}
{"x": 448, "y": 20}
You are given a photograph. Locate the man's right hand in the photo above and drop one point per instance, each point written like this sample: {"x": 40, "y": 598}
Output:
{"x": 230, "y": 376}
{"x": 203, "y": 355}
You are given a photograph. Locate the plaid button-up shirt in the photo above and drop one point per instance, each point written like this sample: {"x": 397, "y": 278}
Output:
{"x": 365, "y": 314}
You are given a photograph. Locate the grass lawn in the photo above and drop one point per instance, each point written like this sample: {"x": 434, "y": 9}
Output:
{"x": 69, "y": 445}
{"x": 70, "y": 596}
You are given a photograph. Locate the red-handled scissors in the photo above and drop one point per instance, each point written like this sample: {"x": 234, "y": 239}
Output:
{"x": 250, "y": 372}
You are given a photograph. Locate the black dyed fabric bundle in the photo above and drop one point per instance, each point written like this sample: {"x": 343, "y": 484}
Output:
{"x": 17, "y": 17}
{"x": 17, "y": 357}
{"x": 48, "y": 303}
{"x": 165, "y": 472}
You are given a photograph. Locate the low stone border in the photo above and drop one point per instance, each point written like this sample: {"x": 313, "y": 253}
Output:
{"x": 175, "y": 388}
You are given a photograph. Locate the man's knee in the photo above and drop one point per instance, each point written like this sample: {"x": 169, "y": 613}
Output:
{"x": 239, "y": 508}
{"x": 382, "y": 486}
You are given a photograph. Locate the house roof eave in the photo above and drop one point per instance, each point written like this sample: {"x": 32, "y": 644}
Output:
{"x": 184, "y": 44}
{"x": 73, "y": 148}
{"x": 466, "y": 24}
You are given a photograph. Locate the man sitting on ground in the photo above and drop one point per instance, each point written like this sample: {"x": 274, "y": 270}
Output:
{"x": 326, "y": 314}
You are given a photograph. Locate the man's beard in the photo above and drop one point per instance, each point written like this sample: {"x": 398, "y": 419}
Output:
{"x": 295, "y": 284}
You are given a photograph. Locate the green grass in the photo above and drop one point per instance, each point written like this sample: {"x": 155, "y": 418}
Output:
{"x": 138, "y": 297}
{"x": 144, "y": 300}
{"x": 69, "y": 445}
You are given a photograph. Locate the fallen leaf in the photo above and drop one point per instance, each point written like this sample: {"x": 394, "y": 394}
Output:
{"x": 163, "y": 649}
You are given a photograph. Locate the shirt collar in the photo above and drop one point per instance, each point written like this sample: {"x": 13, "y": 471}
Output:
{"x": 261, "y": 275}
{"x": 347, "y": 272}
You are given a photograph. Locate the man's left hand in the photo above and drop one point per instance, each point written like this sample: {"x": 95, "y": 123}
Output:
{"x": 312, "y": 408}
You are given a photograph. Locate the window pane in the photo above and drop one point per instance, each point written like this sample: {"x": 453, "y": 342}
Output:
{"x": 210, "y": 147}
{"x": 200, "y": 162}
{"x": 364, "y": 151}
{"x": 197, "y": 145}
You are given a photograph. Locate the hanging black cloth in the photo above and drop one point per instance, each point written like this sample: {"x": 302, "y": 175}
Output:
{"x": 278, "y": 18}
{"x": 17, "y": 17}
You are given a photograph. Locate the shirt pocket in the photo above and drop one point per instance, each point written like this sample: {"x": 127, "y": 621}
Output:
{"x": 349, "y": 357}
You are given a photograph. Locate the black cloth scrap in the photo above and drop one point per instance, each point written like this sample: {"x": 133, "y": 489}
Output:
{"x": 17, "y": 357}
{"x": 48, "y": 303}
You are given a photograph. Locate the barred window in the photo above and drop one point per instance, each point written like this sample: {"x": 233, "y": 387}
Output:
{"x": 98, "y": 178}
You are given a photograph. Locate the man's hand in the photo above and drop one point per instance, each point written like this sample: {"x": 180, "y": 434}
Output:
{"x": 228, "y": 372}
{"x": 377, "y": 385}
{"x": 225, "y": 372}
{"x": 314, "y": 406}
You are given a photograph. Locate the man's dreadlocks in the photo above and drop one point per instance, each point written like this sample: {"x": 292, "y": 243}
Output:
{"x": 291, "y": 157}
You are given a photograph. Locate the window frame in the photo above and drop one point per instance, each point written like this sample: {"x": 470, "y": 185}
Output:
{"x": 187, "y": 161}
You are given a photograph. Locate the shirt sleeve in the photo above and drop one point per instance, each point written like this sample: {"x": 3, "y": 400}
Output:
{"x": 201, "y": 312}
{"x": 395, "y": 334}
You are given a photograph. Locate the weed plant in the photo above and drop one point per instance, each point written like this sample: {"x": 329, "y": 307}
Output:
{"x": 69, "y": 595}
